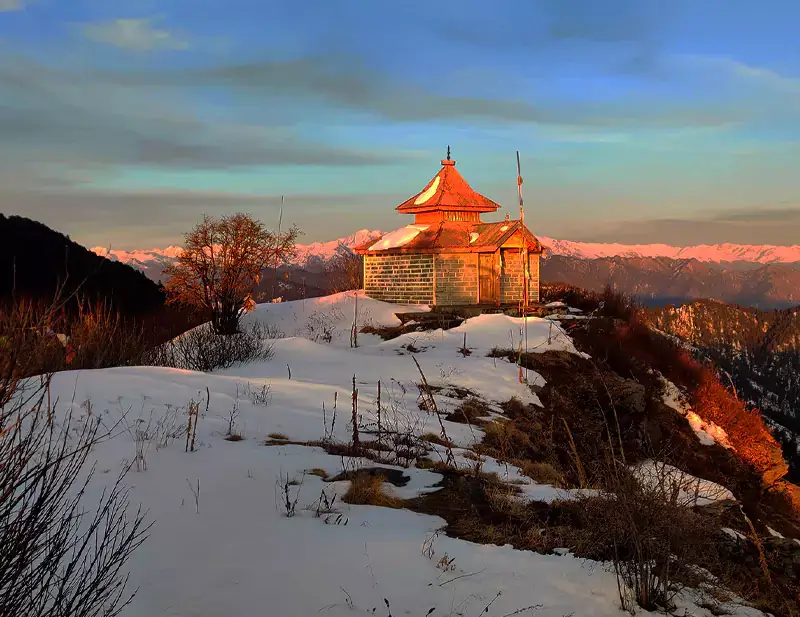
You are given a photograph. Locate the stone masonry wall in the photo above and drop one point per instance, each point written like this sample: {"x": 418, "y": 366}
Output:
{"x": 533, "y": 291}
{"x": 456, "y": 279}
{"x": 404, "y": 279}
{"x": 511, "y": 278}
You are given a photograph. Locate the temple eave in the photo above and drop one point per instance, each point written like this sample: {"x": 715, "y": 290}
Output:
{"x": 447, "y": 208}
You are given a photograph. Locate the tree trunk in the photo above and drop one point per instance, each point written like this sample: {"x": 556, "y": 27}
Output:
{"x": 228, "y": 324}
{"x": 224, "y": 321}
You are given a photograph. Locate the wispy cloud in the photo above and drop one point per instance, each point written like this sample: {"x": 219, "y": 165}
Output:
{"x": 139, "y": 35}
{"x": 135, "y": 219}
{"x": 348, "y": 84}
{"x": 67, "y": 127}
{"x": 744, "y": 73}
{"x": 6, "y": 6}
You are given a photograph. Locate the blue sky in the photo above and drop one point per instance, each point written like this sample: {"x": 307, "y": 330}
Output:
{"x": 122, "y": 123}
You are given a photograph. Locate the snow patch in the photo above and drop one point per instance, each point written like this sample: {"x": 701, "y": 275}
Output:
{"x": 707, "y": 432}
{"x": 398, "y": 237}
{"x": 427, "y": 193}
{"x": 736, "y": 535}
{"x": 692, "y": 491}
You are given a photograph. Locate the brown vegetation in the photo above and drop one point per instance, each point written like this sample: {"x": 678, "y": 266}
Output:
{"x": 220, "y": 265}
{"x": 367, "y": 489}
{"x": 58, "y": 558}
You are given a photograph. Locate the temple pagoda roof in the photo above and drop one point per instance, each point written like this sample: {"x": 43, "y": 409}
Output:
{"x": 450, "y": 237}
{"x": 447, "y": 190}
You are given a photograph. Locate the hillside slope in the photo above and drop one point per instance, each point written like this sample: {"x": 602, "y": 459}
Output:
{"x": 661, "y": 280}
{"x": 273, "y": 509}
{"x": 759, "y": 349}
{"x": 35, "y": 261}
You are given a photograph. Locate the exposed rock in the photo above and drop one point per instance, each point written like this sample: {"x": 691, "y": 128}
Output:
{"x": 792, "y": 493}
{"x": 784, "y": 557}
{"x": 775, "y": 469}
{"x": 629, "y": 394}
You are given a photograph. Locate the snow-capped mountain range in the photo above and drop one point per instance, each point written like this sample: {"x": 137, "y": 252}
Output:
{"x": 152, "y": 261}
{"x": 710, "y": 253}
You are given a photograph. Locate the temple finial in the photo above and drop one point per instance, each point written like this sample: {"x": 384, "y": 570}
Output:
{"x": 448, "y": 153}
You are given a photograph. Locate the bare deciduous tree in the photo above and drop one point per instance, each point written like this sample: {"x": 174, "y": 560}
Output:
{"x": 221, "y": 262}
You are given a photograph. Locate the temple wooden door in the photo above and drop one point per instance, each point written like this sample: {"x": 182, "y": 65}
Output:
{"x": 487, "y": 279}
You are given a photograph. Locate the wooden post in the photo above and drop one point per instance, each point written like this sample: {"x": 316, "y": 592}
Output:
{"x": 355, "y": 415}
{"x": 379, "y": 413}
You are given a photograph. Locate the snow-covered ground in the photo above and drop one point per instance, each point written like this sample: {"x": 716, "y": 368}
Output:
{"x": 233, "y": 551}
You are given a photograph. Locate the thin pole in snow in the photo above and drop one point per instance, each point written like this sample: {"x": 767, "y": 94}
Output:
{"x": 525, "y": 272}
{"x": 275, "y": 267}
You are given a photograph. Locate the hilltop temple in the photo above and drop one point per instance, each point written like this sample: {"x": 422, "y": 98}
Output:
{"x": 449, "y": 256}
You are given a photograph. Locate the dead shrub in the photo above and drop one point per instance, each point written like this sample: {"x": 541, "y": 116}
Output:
{"x": 38, "y": 337}
{"x": 58, "y": 557}
{"x": 203, "y": 350}
{"x": 650, "y": 537}
{"x": 367, "y": 490}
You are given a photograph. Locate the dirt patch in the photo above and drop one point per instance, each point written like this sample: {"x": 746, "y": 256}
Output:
{"x": 392, "y": 476}
{"x": 470, "y": 411}
{"x": 424, "y": 323}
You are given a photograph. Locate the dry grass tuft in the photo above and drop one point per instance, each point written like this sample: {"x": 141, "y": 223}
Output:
{"x": 278, "y": 436}
{"x": 437, "y": 439}
{"x": 470, "y": 411}
{"x": 502, "y": 499}
{"x": 320, "y": 473}
{"x": 367, "y": 490}
{"x": 542, "y": 473}
{"x": 425, "y": 463}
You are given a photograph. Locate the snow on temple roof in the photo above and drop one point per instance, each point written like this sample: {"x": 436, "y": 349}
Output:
{"x": 447, "y": 190}
{"x": 451, "y": 236}
{"x": 398, "y": 237}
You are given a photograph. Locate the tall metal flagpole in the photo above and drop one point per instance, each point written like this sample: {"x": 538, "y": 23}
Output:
{"x": 525, "y": 269}
{"x": 275, "y": 267}
{"x": 524, "y": 244}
